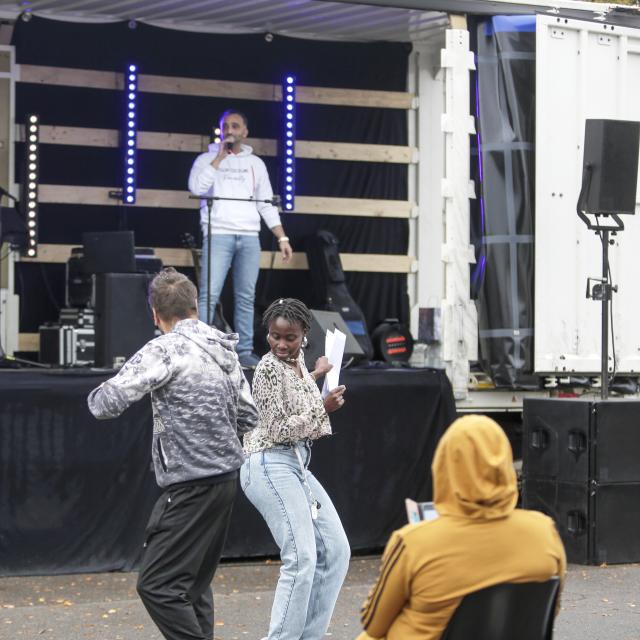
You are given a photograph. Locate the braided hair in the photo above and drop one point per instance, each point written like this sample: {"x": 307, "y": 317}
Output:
{"x": 292, "y": 310}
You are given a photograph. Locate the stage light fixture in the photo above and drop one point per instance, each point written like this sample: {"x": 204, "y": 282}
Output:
{"x": 130, "y": 136}
{"x": 30, "y": 184}
{"x": 288, "y": 140}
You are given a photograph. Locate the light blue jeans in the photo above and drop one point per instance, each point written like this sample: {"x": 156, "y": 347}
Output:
{"x": 315, "y": 553}
{"x": 243, "y": 252}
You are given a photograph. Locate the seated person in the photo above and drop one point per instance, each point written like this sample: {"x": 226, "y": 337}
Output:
{"x": 478, "y": 540}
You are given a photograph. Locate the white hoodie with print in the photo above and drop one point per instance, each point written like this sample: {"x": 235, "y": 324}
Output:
{"x": 241, "y": 175}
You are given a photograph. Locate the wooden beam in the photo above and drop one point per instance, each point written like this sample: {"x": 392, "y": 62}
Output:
{"x": 369, "y": 262}
{"x": 185, "y": 142}
{"x": 111, "y": 80}
{"x": 63, "y": 194}
{"x": 29, "y": 342}
{"x": 209, "y": 88}
{"x": 63, "y": 76}
{"x": 458, "y": 21}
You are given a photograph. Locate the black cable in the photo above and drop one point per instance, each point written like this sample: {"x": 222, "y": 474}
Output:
{"x": 613, "y": 337}
{"x": 47, "y": 286}
{"x": 609, "y": 291}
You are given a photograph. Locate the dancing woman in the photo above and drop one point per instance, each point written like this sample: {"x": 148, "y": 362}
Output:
{"x": 276, "y": 479}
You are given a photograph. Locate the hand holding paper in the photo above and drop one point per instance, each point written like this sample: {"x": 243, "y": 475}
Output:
{"x": 334, "y": 350}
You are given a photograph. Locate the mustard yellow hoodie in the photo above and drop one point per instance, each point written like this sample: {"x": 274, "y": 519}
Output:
{"x": 478, "y": 540}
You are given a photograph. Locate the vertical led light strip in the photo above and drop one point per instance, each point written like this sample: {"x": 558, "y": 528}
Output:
{"x": 32, "y": 180}
{"x": 130, "y": 135}
{"x": 289, "y": 142}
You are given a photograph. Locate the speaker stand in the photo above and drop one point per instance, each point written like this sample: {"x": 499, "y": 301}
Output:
{"x": 602, "y": 225}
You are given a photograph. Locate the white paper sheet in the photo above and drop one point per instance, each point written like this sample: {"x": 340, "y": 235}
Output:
{"x": 334, "y": 343}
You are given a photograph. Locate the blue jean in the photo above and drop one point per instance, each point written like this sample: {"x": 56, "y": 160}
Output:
{"x": 243, "y": 252}
{"x": 315, "y": 553}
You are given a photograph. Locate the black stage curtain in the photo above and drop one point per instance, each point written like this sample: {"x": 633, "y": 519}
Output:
{"x": 75, "y": 493}
{"x": 158, "y": 51}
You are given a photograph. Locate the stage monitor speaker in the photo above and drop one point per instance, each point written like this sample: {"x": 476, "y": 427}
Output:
{"x": 109, "y": 252}
{"x": 123, "y": 320}
{"x": 320, "y": 323}
{"x": 611, "y": 151}
{"x": 580, "y": 466}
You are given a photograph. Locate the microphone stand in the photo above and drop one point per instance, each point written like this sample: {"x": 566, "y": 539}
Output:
{"x": 276, "y": 201}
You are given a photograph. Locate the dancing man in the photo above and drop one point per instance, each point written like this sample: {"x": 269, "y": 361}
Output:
{"x": 201, "y": 405}
{"x": 238, "y": 179}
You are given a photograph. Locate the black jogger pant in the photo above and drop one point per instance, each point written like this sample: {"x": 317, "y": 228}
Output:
{"x": 185, "y": 535}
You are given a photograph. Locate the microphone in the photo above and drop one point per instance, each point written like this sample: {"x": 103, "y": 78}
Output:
{"x": 228, "y": 145}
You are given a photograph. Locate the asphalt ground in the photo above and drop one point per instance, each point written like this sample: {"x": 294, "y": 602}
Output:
{"x": 599, "y": 603}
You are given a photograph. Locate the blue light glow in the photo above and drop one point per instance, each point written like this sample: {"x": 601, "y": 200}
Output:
{"x": 130, "y": 126}
{"x": 289, "y": 135}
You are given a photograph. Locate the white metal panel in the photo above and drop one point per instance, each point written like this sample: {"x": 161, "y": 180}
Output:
{"x": 583, "y": 70}
{"x": 9, "y": 302}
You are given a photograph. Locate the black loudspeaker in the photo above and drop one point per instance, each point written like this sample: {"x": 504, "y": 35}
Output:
{"x": 580, "y": 466}
{"x": 123, "y": 320}
{"x": 611, "y": 152}
{"x": 321, "y": 322}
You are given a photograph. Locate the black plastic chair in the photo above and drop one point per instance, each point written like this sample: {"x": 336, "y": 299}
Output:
{"x": 506, "y": 611}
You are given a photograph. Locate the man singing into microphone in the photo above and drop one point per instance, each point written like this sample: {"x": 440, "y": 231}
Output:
{"x": 231, "y": 170}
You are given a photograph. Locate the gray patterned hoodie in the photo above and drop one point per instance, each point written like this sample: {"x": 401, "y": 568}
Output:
{"x": 201, "y": 401}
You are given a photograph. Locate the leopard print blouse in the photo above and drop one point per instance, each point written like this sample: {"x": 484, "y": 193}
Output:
{"x": 290, "y": 408}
